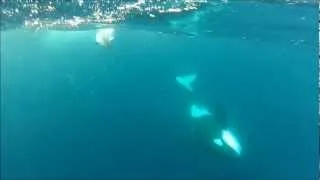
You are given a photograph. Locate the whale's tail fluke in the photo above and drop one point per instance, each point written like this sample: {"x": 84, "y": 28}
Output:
{"x": 187, "y": 81}
{"x": 197, "y": 111}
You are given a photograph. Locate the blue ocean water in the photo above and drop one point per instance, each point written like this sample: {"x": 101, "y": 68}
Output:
{"x": 73, "y": 109}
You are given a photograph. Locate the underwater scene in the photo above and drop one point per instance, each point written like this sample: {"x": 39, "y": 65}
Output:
{"x": 159, "y": 89}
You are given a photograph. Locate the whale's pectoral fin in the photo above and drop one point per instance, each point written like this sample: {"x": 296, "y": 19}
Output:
{"x": 231, "y": 141}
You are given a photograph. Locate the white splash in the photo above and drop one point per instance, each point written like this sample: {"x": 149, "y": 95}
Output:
{"x": 104, "y": 37}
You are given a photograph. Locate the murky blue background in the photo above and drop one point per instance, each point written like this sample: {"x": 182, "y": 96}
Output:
{"x": 73, "y": 109}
